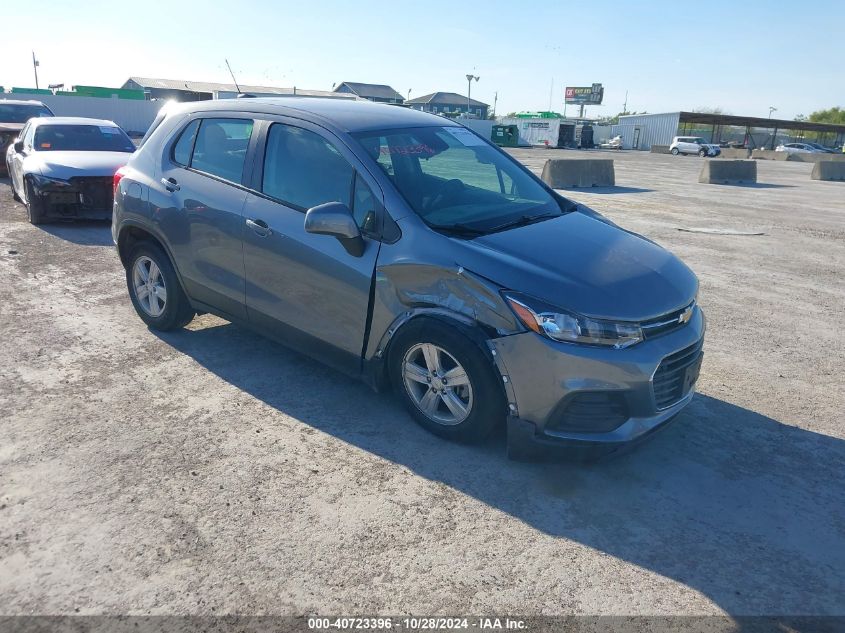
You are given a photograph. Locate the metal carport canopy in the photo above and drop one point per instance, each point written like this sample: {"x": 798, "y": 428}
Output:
{"x": 759, "y": 122}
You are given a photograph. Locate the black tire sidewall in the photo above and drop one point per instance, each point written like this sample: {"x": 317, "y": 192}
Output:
{"x": 33, "y": 212}
{"x": 675, "y": 151}
{"x": 177, "y": 310}
{"x": 488, "y": 408}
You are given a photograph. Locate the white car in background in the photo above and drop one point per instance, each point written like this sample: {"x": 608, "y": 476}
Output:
{"x": 63, "y": 167}
{"x": 693, "y": 145}
{"x": 797, "y": 148}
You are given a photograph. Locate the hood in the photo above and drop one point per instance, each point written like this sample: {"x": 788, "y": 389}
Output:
{"x": 66, "y": 165}
{"x": 585, "y": 265}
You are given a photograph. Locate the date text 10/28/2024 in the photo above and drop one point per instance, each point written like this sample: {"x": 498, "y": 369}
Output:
{"x": 415, "y": 624}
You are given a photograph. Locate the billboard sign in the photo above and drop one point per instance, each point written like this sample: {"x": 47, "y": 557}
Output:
{"x": 587, "y": 95}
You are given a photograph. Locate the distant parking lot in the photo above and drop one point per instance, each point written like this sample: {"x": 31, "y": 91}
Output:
{"x": 211, "y": 471}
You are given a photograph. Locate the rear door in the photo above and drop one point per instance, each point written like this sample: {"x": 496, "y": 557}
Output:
{"x": 307, "y": 289}
{"x": 203, "y": 181}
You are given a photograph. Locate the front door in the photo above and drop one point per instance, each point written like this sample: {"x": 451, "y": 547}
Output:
{"x": 307, "y": 289}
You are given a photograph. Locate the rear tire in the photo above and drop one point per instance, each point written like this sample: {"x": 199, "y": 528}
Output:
{"x": 33, "y": 207}
{"x": 675, "y": 151}
{"x": 475, "y": 394}
{"x": 155, "y": 290}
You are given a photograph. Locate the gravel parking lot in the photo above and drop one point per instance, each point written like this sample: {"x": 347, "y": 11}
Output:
{"x": 211, "y": 471}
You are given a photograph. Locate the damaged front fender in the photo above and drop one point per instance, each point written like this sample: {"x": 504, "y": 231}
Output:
{"x": 405, "y": 290}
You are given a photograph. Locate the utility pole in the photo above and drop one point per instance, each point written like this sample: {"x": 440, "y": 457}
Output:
{"x": 772, "y": 109}
{"x": 495, "y": 101}
{"x": 625, "y": 105}
{"x": 409, "y": 95}
{"x": 470, "y": 77}
{"x": 35, "y": 65}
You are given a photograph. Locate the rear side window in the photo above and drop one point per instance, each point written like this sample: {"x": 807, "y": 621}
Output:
{"x": 303, "y": 169}
{"x": 185, "y": 145}
{"x": 220, "y": 147}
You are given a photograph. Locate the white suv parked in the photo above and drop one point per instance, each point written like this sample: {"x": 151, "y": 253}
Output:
{"x": 693, "y": 145}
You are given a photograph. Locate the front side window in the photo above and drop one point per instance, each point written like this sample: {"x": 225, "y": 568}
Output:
{"x": 453, "y": 179}
{"x": 302, "y": 169}
{"x": 85, "y": 138}
{"x": 220, "y": 147}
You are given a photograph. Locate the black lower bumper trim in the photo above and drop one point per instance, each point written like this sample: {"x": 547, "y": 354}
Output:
{"x": 525, "y": 444}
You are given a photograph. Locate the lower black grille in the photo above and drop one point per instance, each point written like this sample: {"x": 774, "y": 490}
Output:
{"x": 676, "y": 375}
{"x": 95, "y": 192}
{"x": 590, "y": 412}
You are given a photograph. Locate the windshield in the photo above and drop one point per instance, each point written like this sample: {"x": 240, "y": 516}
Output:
{"x": 454, "y": 179}
{"x": 90, "y": 138}
{"x": 22, "y": 112}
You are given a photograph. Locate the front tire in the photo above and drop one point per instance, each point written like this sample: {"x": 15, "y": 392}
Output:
{"x": 446, "y": 381}
{"x": 155, "y": 290}
{"x": 675, "y": 151}
{"x": 34, "y": 213}
{"x": 702, "y": 153}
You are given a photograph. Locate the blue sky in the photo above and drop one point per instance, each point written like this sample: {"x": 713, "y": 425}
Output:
{"x": 740, "y": 56}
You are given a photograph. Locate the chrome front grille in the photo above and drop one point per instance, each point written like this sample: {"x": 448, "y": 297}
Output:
{"x": 667, "y": 323}
{"x": 676, "y": 375}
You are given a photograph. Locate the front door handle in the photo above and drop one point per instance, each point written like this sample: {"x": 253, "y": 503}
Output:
{"x": 260, "y": 227}
{"x": 170, "y": 184}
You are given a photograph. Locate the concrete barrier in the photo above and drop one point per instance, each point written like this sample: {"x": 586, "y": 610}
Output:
{"x": 660, "y": 149}
{"x": 816, "y": 158}
{"x": 725, "y": 172}
{"x": 560, "y": 173}
{"x": 828, "y": 170}
{"x": 735, "y": 152}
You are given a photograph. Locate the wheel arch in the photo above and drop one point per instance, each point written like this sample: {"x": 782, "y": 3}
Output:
{"x": 376, "y": 369}
{"x": 131, "y": 234}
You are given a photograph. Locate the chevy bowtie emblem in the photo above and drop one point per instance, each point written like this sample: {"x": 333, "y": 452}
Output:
{"x": 685, "y": 316}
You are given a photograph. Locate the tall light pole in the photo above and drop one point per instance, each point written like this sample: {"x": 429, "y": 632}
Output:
{"x": 35, "y": 65}
{"x": 772, "y": 109}
{"x": 409, "y": 95}
{"x": 470, "y": 77}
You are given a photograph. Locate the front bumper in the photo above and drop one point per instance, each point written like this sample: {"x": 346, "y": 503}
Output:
{"x": 543, "y": 378}
{"x": 79, "y": 198}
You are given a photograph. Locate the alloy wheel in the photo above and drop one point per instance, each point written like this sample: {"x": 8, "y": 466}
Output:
{"x": 150, "y": 289}
{"x": 437, "y": 384}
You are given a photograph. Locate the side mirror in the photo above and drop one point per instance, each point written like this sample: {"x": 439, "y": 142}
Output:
{"x": 19, "y": 147}
{"x": 335, "y": 219}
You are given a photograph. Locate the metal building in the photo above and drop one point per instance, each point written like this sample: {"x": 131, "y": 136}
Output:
{"x": 641, "y": 131}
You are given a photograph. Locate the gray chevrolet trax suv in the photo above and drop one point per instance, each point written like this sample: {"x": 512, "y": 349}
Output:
{"x": 404, "y": 249}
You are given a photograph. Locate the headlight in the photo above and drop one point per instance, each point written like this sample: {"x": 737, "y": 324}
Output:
{"x": 42, "y": 182}
{"x": 569, "y": 327}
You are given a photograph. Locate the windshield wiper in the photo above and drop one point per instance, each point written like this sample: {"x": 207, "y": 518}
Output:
{"x": 523, "y": 221}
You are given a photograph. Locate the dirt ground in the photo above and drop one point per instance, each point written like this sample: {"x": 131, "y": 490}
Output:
{"x": 211, "y": 471}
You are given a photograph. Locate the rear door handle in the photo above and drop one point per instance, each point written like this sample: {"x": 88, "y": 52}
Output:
{"x": 170, "y": 184}
{"x": 260, "y": 227}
